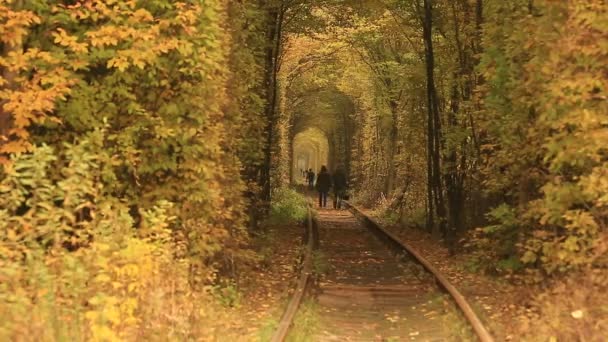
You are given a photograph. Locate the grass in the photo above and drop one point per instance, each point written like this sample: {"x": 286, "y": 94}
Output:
{"x": 305, "y": 323}
{"x": 267, "y": 330}
{"x": 456, "y": 323}
{"x": 320, "y": 265}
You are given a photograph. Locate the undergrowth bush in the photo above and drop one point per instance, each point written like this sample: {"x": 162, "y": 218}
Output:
{"x": 288, "y": 207}
{"x": 415, "y": 218}
{"x": 392, "y": 212}
{"x": 306, "y": 323}
{"x": 571, "y": 309}
{"x": 390, "y": 217}
{"x": 72, "y": 266}
{"x": 383, "y": 210}
{"x": 486, "y": 255}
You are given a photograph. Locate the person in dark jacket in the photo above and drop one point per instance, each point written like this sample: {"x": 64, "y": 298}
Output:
{"x": 340, "y": 185}
{"x": 323, "y": 185}
{"x": 310, "y": 178}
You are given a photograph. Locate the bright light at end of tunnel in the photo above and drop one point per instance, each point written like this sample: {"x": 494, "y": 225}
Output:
{"x": 310, "y": 150}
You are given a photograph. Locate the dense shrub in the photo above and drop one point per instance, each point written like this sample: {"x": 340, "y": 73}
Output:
{"x": 71, "y": 265}
{"x": 288, "y": 207}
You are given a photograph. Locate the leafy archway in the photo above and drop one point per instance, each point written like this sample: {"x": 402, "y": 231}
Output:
{"x": 310, "y": 151}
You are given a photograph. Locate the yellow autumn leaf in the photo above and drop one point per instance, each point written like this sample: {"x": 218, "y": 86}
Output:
{"x": 112, "y": 314}
{"x": 121, "y": 63}
{"x": 142, "y": 15}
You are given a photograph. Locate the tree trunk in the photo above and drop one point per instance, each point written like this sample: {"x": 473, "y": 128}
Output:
{"x": 453, "y": 181}
{"x": 347, "y": 144}
{"x": 390, "y": 179}
{"x": 273, "y": 39}
{"x": 434, "y": 122}
{"x": 292, "y": 162}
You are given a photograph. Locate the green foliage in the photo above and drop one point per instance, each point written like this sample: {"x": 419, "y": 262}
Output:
{"x": 548, "y": 122}
{"x": 474, "y": 264}
{"x": 130, "y": 131}
{"x": 266, "y": 240}
{"x": 247, "y": 110}
{"x": 71, "y": 264}
{"x": 504, "y": 215}
{"x": 490, "y": 256}
{"x": 161, "y": 78}
{"x": 227, "y": 294}
{"x": 306, "y": 323}
{"x": 320, "y": 264}
{"x": 268, "y": 329}
{"x": 145, "y": 115}
{"x": 416, "y": 219}
{"x": 509, "y": 264}
{"x": 520, "y": 138}
{"x": 288, "y": 207}
{"x": 390, "y": 217}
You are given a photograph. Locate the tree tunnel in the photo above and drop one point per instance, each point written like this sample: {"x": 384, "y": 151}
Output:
{"x": 368, "y": 107}
{"x": 310, "y": 151}
{"x": 320, "y": 132}
{"x": 320, "y": 111}
{"x": 321, "y": 124}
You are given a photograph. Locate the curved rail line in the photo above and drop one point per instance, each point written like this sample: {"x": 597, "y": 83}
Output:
{"x": 303, "y": 283}
{"x": 460, "y": 300}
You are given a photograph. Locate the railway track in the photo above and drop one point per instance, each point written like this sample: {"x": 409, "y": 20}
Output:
{"x": 304, "y": 281}
{"x": 377, "y": 288}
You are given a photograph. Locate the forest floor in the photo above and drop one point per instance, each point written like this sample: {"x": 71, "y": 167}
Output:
{"x": 513, "y": 309}
{"x": 264, "y": 289}
{"x": 497, "y": 301}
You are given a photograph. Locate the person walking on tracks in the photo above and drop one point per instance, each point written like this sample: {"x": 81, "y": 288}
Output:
{"x": 310, "y": 177}
{"x": 323, "y": 186}
{"x": 340, "y": 185}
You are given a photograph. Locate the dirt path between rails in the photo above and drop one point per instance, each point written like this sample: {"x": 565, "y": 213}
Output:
{"x": 369, "y": 294}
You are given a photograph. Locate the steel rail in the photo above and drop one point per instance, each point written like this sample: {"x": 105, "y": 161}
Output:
{"x": 480, "y": 330}
{"x": 303, "y": 282}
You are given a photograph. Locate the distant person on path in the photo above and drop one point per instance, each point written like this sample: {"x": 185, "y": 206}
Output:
{"x": 323, "y": 186}
{"x": 310, "y": 177}
{"x": 340, "y": 186}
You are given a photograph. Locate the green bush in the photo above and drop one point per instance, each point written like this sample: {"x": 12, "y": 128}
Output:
{"x": 390, "y": 217}
{"x": 74, "y": 268}
{"x": 416, "y": 219}
{"x": 288, "y": 207}
{"x": 488, "y": 256}
{"x": 71, "y": 265}
{"x": 227, "y": 294}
